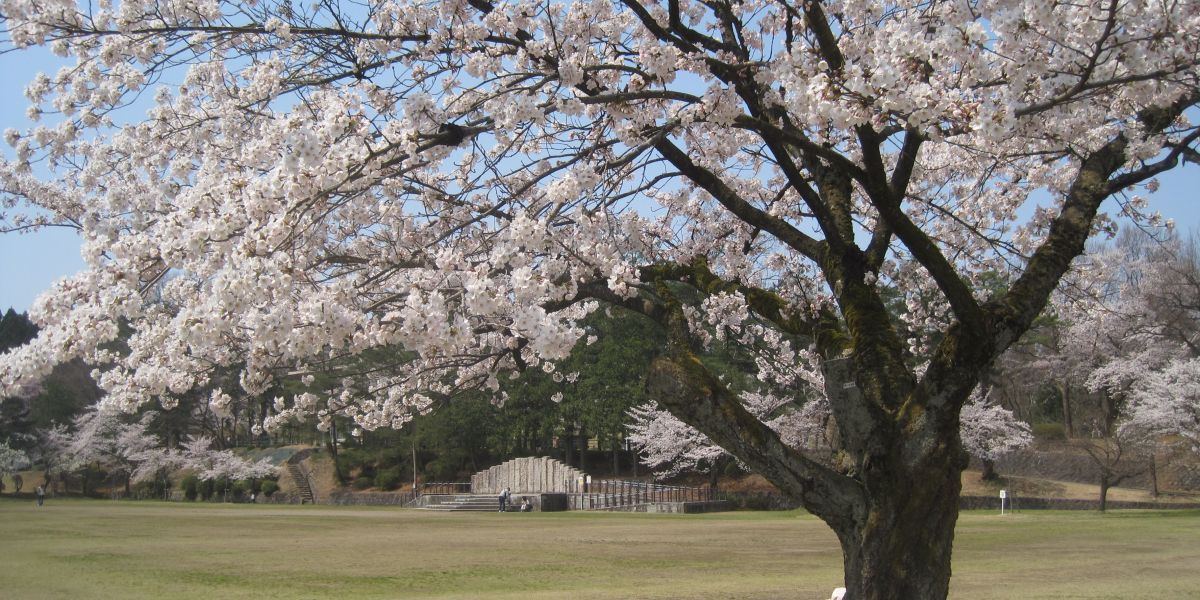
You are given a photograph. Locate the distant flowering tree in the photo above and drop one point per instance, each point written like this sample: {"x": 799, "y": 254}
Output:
{"x": 990, "y": 431}
{"x": 672, "y": 447}
{"x": 461, "y": 182}
{"x": 1167, "y": 402}
{"x": 218, "y": 464}
{"x": 104, "y": 439}
{"x": 1131, "y": 343}
{"x": 11, "y": 460}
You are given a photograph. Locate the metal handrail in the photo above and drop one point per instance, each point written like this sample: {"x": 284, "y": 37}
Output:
{"x": 438, "y": 487}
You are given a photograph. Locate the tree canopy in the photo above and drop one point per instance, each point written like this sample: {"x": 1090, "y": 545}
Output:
{"x": 465, "y": 181}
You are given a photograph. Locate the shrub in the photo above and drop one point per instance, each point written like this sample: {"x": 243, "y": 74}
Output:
{"x": 351, "y": 460}
{"x": 269, "y": 487}
{"x": 161, "y": 486}
{"x": 393, "y": 456}
{"x": 1050, "y": 432}
{"x": 206, "y": 489}
{"x": 255, "y": 486}
{"x": 240, "y": 489}
{"x": 388, "y": 479}
{"x": 191, "y": 487}
{"x": 362, "y": 483}
{"x": 220, "y": 486}
{"x": 441, "y": 469}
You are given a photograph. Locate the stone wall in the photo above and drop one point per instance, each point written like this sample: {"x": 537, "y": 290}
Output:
{"x": 674, "y": 507}
{"x": 527, "y": 475}
{"x": 369, "y": 498}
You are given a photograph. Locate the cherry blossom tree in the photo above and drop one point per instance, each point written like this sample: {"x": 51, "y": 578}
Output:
{"x": 464, "y": 181}
{"x": 11, "y": 461}
{"x": 989, "y": 431}
{"x": 104, "y": 439}
{"x": 1132, "y": 324}
{"x": 1167, "y": 402}
{"x": 198, "y": 455}
{"x": 1142, "y": 314}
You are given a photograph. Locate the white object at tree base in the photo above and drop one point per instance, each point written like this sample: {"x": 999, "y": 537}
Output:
{"x": 838, "y": 593}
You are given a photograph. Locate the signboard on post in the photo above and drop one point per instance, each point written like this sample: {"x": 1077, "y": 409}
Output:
{"x": 1003, "y": 497}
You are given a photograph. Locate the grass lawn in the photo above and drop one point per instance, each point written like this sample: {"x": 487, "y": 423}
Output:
{"x": 101, "y": 549}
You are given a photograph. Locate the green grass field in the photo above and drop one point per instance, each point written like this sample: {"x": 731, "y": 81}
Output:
{"x": 100, "y": 549}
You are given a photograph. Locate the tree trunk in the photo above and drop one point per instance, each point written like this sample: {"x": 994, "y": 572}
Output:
{"x": 616, "y": 457}
{"x": 902, "y": 548}
{"x": 1153, "y": 474}
{"x": 1064, "y": 392}
{"x": 332, "y": 445}
{"x": 989, "y": 470}
{"x": 1104, "y": 485}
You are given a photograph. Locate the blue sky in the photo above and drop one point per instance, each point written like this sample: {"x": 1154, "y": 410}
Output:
{"x": 30, "y": 262}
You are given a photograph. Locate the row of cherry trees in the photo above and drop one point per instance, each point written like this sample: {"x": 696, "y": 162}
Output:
{"x": 58, "y": 428}
{"x": 1134, "y": 351}
{"x": 102, "y": 445}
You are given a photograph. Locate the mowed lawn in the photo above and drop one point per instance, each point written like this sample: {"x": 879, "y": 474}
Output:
{"x": 102, "y": 549}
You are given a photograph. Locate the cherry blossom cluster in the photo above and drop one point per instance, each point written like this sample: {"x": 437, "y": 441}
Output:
{"x": 107, "y": 439}
{"x": 990, "y": 431}
{"x": 11, "y": 459}
{"x": 1133, "y": 337}
{"x": 449, "y": 187}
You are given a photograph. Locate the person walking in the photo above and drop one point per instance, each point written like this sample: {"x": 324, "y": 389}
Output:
{"x": 40, "y": 492}
{"x": 503, "y": 500}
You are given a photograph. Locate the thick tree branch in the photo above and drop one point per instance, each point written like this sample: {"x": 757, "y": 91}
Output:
{"x": 1014, "y": 312}
{"x": 827, "y": 41}
{"x": 728, "y": 198}
{"x": 766, "y": 304}
{"x": 683, "y": 385}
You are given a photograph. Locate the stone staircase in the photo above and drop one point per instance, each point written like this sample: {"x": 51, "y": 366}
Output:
{"x": 298, "y": 476}
{"x": 462, "y": 502}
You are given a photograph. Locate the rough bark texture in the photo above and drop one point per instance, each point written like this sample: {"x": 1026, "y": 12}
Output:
{"x": 893, "y": 498}
{"x": 1064, "y": 391}
{"x": 1104, "y": 485}
{"x": 903, "y": 549}
{"x": 894, "y": 518}
{"x": 989, "y": 470}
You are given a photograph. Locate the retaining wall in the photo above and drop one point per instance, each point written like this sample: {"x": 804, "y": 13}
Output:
{"x": 1021, "y": 503}
{"x": 674, "y": 507}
